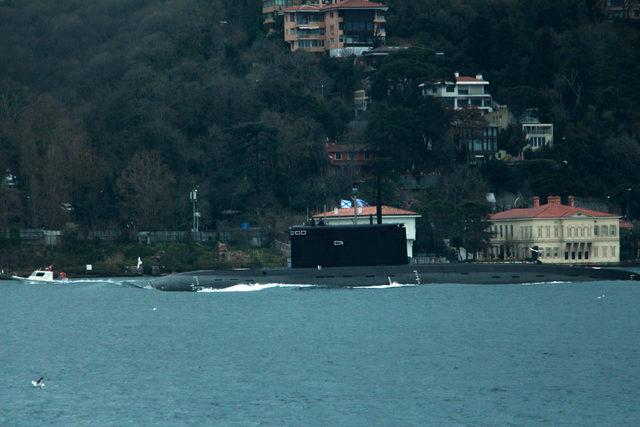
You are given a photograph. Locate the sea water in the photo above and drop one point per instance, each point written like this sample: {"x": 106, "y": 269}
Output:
{"x": 111, "y": 354}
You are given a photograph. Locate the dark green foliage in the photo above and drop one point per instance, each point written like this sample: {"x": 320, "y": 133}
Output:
{"x": 85, "y": 85}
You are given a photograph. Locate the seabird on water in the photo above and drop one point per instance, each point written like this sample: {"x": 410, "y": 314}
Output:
{"x": 38, "y": 383}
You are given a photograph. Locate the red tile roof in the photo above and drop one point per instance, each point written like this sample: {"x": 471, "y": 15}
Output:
{"x": 468, "y": 79}
{"x": 303, "y": 8}
{"x": 548, "y": 211}
{"x": 356, "y": 4}
{"x": 344, "y": 4}
{"x": 366, "y": 211}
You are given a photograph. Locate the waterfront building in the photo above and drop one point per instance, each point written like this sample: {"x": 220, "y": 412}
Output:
{"x": 366, "y": 214}
{"x": 555, "y": 233}
{"x": 339, "y": 27}
{"x": 462, "y": 93}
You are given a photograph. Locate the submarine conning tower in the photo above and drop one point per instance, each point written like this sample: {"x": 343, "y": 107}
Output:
{"x": 348, "y": 245}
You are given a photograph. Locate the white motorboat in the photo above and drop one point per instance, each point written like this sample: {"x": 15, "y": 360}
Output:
{"x": 41, "y": 276}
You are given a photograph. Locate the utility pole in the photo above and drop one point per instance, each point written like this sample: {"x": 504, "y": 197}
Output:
{"x": 354, "y": 197}
{"x": 193, "y": 196}
{"x": 628, "y": 209}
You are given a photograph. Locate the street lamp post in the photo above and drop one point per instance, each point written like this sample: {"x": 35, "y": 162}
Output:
{"x": 628, "y": 209}
{"x": 193, "y": 196}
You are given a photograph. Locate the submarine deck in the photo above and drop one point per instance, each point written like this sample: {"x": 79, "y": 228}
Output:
{"x": 381, "y": 275}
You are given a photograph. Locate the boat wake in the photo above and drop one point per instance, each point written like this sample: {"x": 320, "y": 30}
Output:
{"x": 253, "y": 287}
{"x": 389, "y": 286}
{"x": 555, "y": 282}
{"x": 264, "y": 286}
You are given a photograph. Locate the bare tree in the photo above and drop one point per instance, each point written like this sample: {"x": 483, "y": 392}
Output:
{"x": 146, "y": 187}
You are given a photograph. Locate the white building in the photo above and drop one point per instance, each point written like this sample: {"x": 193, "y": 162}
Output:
{"x": 463, "y": 92}
{"x": 557, "y": 233}
{"x": 538, "y": 135}
{"x": 364, "y": 215}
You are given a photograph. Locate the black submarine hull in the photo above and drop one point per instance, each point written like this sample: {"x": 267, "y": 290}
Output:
{"x": 350, "y": 277}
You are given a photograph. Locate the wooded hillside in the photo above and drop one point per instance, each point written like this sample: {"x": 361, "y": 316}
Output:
{"x": 111, "y": 111}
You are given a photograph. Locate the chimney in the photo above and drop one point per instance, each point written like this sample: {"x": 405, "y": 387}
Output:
{"x": 479, "y": 77}
{"x": 554, "y": 200}
{"x": 536, "y": 202}
{"x": 572, "y": 201}
{"x": 336, "y": 211}
{"x": 456, "y": 74}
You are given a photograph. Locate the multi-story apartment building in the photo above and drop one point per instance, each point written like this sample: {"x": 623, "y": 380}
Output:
{"x": 538, "y": 135}
{"x": 354, "y": 155}
{"x": 272, "y": 9}
{"x": 556, "y": 233}
{"x": 475, "y": 144}
{"x": 463, "y": 92}
{"x": 621, "y": 9}
{"x": 340, "y": 27}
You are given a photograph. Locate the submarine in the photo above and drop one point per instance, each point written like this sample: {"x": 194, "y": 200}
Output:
{"x": 366, "y": 255}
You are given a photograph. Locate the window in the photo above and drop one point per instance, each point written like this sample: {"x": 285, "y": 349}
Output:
{"x": 603, "y": 230}
{"x": 555, "y": 231}
{"x": 566, "y": 255}
{"x": 540, "y": 232}
{"x": 548, "y": 252}
{"x": 595, "y": 252}
{"x": 338, "y": 156}
{"x": 556, "y": 252}
{"x": 612, "y": 230}
{"x": 548, "y": 231}
{"x": 512, "y": 231}
{"x": 451, "y": 88}
{"x": 613, "y": 251}
{"x": 501, "y": 232}
{"x": 595, "y": 230}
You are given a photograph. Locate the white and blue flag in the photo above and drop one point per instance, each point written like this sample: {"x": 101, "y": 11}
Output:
{"x": 346, "y": 204}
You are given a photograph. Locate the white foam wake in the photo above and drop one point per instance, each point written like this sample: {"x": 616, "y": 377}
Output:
{"x": 554, "y": 282}
{"x": 389, "y": 286}
{"x": 253, "y": 287}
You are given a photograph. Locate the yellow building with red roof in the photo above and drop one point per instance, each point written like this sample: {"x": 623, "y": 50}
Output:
{"x": 555, "y": 233}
